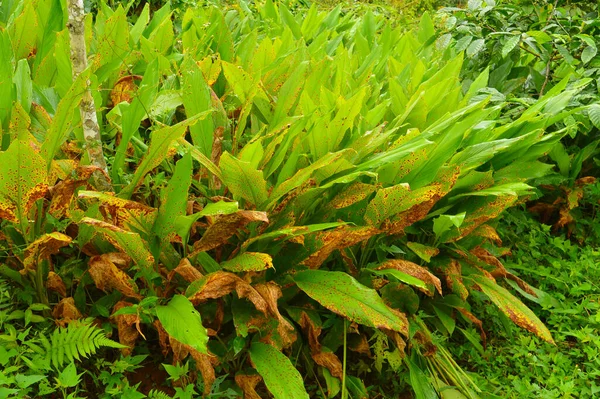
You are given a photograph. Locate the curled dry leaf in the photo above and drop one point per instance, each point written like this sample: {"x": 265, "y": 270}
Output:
{"x": 218, "y": 284}
{"x": 127, "y": 326}
{"x": 205, "y": 363}
{"x": 325, "y": 359}
{"x": 248, "y": 385}
{"x": 56, "y": 284}
{"x": 62, "y": 192}
{"x": 186, "y": 270}
{"x": 65, "y": 311}
{"x": 225, "y": 226}
{"x": 124, "y": 89}
{"x": 271, "y": 292}
{"x": 42, "y": 248}
{"x": 107, "y": 276}
{"x": 414, "y": 270}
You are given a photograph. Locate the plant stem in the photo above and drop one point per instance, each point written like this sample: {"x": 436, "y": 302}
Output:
{"x": 344, "y": 391}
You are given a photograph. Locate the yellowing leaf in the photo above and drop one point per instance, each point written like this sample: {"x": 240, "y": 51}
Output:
{"x": 248, "y": 261}
{"x": 108, "y": 276}
{"x": 42, "y": 248}
{"x": 412, "y": 270}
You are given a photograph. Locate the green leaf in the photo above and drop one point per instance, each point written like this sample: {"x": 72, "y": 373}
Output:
{"x": 510, "y": 44}
{"x": 342, "y": 294}
{"x": 588, "y": 53}
{"x": 174, "y": 199}
{"x": 520, "y": 314}
{"x": 280, "y": 376}
{"x": 182, "y": 321}
{"x": 162, "y": 140}
{"x": 475, "y": 47}
{"x": 444, "y": 223}
{"x": 243, "y": 180}
{"x": 594, "y": 114}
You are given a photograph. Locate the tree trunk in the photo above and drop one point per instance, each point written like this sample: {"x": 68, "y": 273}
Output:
{"x": 87, "y": 108}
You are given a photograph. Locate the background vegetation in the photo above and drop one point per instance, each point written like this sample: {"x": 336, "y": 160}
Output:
{"x": 366, "y": 200}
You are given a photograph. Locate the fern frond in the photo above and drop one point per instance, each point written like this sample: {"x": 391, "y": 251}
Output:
{"x": 74, "y": 342}
{"x": 156, "y": 394}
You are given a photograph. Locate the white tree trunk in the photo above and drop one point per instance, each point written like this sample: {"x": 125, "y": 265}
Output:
{"x": 87, "y": 108}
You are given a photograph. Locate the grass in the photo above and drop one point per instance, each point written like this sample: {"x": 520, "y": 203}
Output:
{"x": 517, "y": 365}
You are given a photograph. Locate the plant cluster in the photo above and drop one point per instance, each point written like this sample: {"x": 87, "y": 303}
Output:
{"x": 300, "y": 201}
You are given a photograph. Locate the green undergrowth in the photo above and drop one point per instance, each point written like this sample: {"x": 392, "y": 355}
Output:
{"x": 514, "y": 365}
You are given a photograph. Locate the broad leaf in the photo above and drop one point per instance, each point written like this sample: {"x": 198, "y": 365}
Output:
{"x": 182, "y": 321}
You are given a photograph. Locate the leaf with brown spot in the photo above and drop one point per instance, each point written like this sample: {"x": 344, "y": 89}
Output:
{"x": 453, "y": 274}
{"x": 120, "y": 210}
{"x": 356, "y": 192}
{"x": 65, "y": 311}
{"x": 394, "y": 200}
{"x": 485, "y": 256}
{"x": 225, "y": 226}
{"x": 248, "y": 261}
{"x": 124, "y": 89}
{"x": 42, "y": 248}
{"x": 520, "y": 314}
{"x": 403, "y": 270}
{"x": 62, "y": 192}
{"x": 56, "y": 284}
{"x": 342, "y": 294}
{"x": 424, "y": 252}
{"x": 340, "y": 238}
{"x": 126, "y": 326}
{"x": 218, "y": 284}
{"x": 107, "y": 277}
{"x": 23, "y": 181}
{"x": 248, "y": 384}
{"x": 211, "y": 68}
{"x": 487, "y": 231}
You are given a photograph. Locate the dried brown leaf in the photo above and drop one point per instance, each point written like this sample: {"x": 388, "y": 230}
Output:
{"x": 65, "y": 311}
{"x": 56, "y": 284}
{"x": 187, "y": 271}
{"x": 248, "y": 384}
{"x": 107, "y": 276}
{"x": 414, "y": 270}
{"x": 126, "y": 327}
{"x": 42, "y": 248}
{"x": 225, "y": 226}
{"x": 124, "y": 89}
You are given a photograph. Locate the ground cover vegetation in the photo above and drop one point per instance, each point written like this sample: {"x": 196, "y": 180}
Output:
{"x": 298, "y": 201}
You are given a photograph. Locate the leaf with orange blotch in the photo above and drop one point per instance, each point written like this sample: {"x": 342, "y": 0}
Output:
{"x": 218, "y": 284}
{"x": 127, "y": 241}
{"x": 225, "y": 226}
{"x": 42, "y": 248}
{"x": 487, "y": 231}
{"x": 248, "y": 261}
{"x": 186, "y": 270}
{"x": 248, "y": 384}
{"x": 452, "y": 271}
{"x": 330, "y": 361}
{"x": 356, "y": 192}
{"x": 56, "y": 284}
{"x": 424, "y": 252}
{"x": 211, "y": 68}
{"x": 107, "y": 276}
{"x": 127, "y": 326}
{"x": 23, "y": 181}
{"x": 122, "y": 211}
{"x": 408, "y": 272}
{"x": 65, "y": 311}
{"x": 124, "y": 89}
{"x": 491, "y": 210}
{"x": 520, "y": 314}
{"x": 62, "y": 192}
{"x": 340, "y": 238}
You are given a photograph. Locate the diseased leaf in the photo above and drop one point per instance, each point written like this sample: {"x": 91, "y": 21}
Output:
{"x": 108, "y": 276}
{"x": 248, "y": 261}
{"x": 408, "y": 272}
{"x": 42, "y": 248}
{"x": 342, "y": 294}
{"x": 520, "y": 314}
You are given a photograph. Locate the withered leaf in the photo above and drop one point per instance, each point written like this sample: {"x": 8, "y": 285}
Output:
{"x": 271, "y": 292}
{"x": 127, "y": 326}
{"x": 225, "y": 226}
{"x": 62, "y": 192}
{"x": 187, "y": 271}
{"x": 56, "y": 284}
{"x": 124, "y": 89}
{"x": 65, "y": 311}
{"x": 107, "y": 276}
{"x": 205, "y": 363}
{"x": 248, "y": 384}
{"x": 218, "y": 284}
